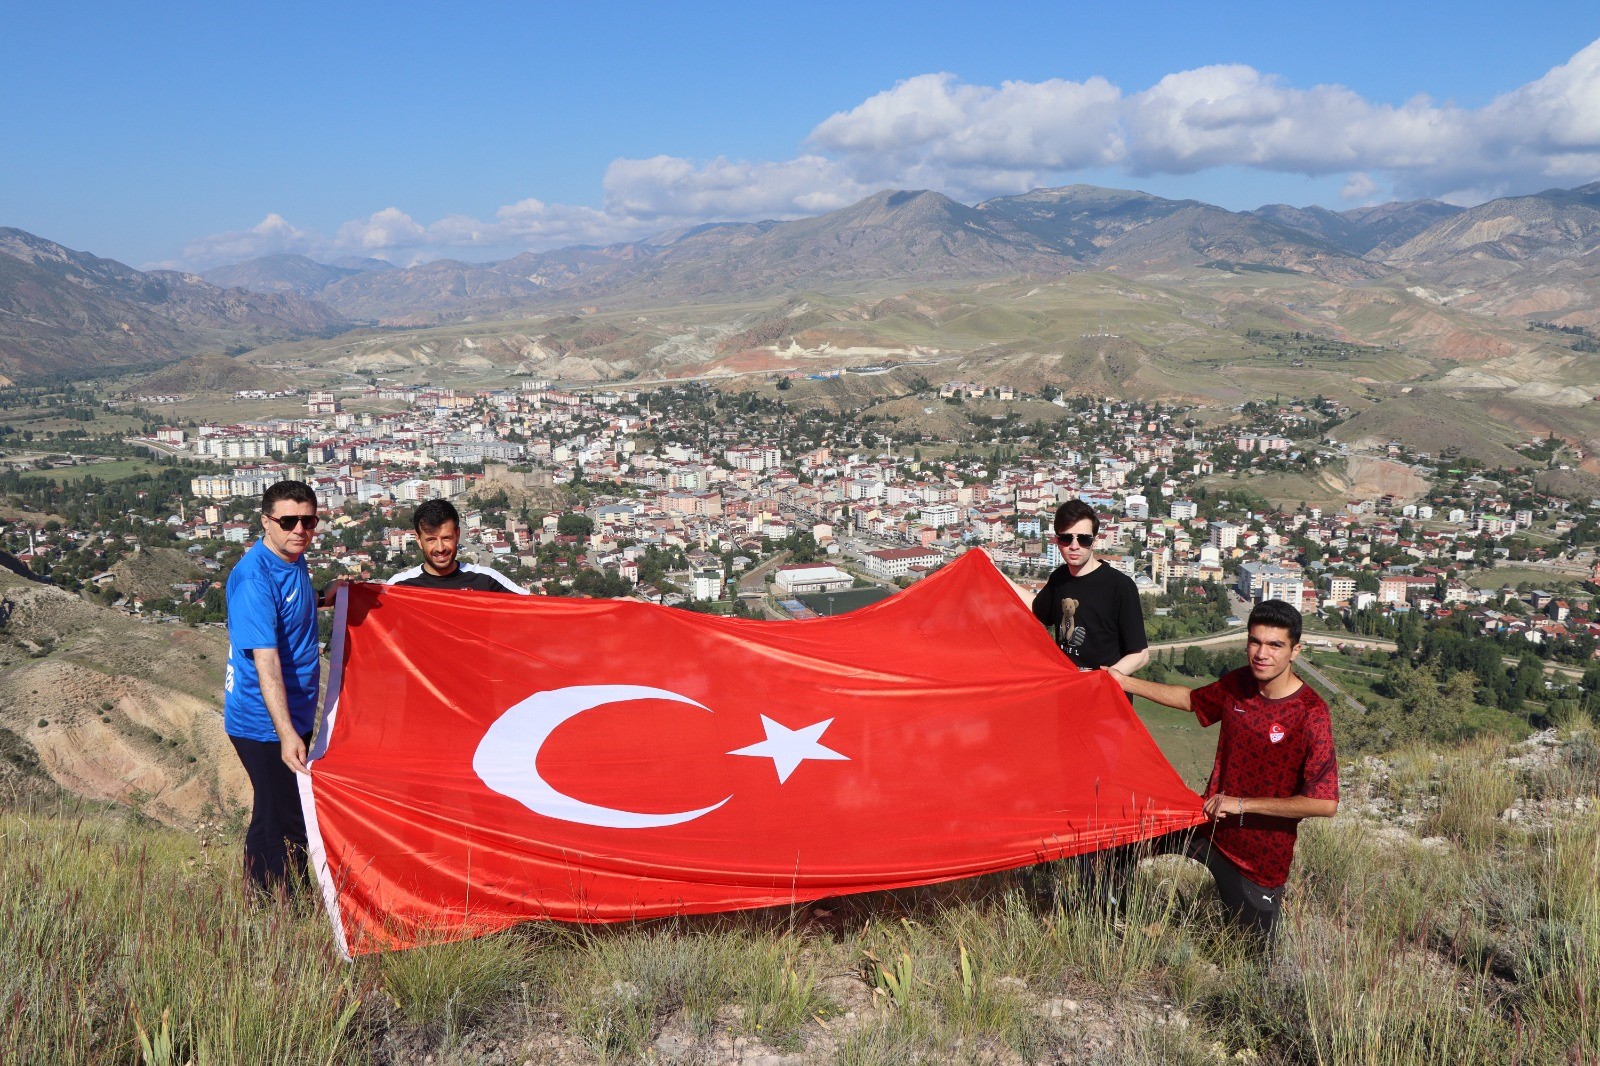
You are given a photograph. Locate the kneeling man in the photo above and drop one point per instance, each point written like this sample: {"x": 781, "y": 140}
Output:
{"x": 1275, "y": 765}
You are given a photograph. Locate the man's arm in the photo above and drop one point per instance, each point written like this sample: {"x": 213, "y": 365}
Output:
{"x": 270, "y": 672}
{"x": 1022, "y": 594}
{"x": 1221, "y": 806}
{"x": 1132, "y": 662}
{"x": 1174, "y": 696}
{"x": 1130, "y": 630}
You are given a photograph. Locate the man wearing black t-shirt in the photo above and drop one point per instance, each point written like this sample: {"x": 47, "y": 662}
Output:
{"x": 438, "y": 529}
{"x": 1092, "y": 609}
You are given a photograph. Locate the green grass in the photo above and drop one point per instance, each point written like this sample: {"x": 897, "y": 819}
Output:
{"x": 121, "y": 942}
{"x": 1516, "y": 575}
{"x": 41, "y": 421}
{"x": 1189, "y": 748}
{"x": 1357, "y": 680}
{"x": 107, "y": 927}
{"x": 115, "y": 470}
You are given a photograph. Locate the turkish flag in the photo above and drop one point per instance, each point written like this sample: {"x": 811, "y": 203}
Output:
{"x": 489, "y": 759}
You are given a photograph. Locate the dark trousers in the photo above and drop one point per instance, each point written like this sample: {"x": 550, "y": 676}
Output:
{"x": 275, "y": 843}
{"x": 1251, "y": 906}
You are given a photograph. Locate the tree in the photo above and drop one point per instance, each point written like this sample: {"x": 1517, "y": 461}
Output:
{"x": 1195, "y": 660}
{"x": 1452, "y": 708}
{"x": 574, "y": 525}
{"x": 1528, "y": 680}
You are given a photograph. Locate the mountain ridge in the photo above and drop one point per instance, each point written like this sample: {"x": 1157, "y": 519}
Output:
{"x": 66, "y": 311}
{"x": 920, "y": 236}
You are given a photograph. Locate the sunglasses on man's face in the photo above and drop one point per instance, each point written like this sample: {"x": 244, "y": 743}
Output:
{"x": 289, "y": 521}
{"x": 1085, "y": 540}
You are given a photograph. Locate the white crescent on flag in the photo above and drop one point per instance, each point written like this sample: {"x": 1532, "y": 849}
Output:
{"x": 507, "y": 759}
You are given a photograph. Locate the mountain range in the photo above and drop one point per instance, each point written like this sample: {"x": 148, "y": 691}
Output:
{"x": 924, "y": 236}
{"x": 63, "y": 310}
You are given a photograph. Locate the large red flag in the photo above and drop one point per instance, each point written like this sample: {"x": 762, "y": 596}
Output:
{"x": 490, "y": 759}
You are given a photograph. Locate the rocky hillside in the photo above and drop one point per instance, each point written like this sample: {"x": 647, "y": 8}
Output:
{"x": 111, "y": 708}
{"x": 1361, "y": 229}
{"x": 1546, "y": 226}
{"x": 212, "y": 372}
{"x": 64, "y": 311}
{"x": 295, "y": 274}
{"x": 1117, "y": 229}
{"x": 150, "y": 573}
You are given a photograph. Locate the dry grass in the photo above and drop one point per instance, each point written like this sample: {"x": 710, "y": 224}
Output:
{"x": 121, "y": 942}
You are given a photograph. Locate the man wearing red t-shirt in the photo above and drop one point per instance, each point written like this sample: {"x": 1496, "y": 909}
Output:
{"x": 1275, "y": 765}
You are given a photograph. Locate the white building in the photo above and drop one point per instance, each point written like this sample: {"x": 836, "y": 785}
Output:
{"x": 897, "y": 562}
{"x": 1284, "y": 586}
{"x": 706, "y": 584}
{"x": 802, "y": 578}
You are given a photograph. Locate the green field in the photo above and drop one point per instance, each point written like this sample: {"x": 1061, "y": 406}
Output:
{"x": 1187, "y": 747}
{"x": 1515, "y": 575}
{"x": 830, "y": 603}
{"x": 1285, "y": 489}
{"x": 229, "y": 410}
{"x": 115, "y": 470}
{"x": 40, "y": 423}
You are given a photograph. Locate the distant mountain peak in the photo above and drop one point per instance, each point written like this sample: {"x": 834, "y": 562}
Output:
{"x": 66, "y": 310}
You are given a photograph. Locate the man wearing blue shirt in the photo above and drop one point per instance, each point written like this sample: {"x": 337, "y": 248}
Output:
{"x": 270, "y": 700}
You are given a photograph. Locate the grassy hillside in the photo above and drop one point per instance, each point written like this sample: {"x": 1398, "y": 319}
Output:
{"x": 1424, "y": 926}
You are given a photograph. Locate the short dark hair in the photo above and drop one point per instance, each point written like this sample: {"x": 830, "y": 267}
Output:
{"x": 433, "y": 514}
{"x": 294, "y": 491}
{"x": 1278, "y": 615}
{"x": 1072, "y": 512}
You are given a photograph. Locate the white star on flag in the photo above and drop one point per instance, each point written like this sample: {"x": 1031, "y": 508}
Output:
{"x": 788, "y": 748}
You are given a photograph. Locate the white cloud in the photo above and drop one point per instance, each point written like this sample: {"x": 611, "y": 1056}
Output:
{"x": 1559, "y": 113}
{"x": 978, "y": 139}
{"x": 672, "y": 191}
{"x": 542, "y": 224}
{"x": 380, "y": 231}
{"x": 934, "y": 131}
{"x": 273, "y": 235}
{"x": 1359, "y": 187}
{"x": 973, "y": 141}
{"x": 1024, "y": 125}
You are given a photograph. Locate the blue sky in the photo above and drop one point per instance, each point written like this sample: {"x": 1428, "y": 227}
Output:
{"x": 193, "y": 135}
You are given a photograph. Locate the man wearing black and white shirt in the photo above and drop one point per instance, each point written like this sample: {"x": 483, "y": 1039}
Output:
{"x": 438, "y": 528}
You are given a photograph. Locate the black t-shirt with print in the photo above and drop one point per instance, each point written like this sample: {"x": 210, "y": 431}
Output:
{"x": 1107, "y": 623}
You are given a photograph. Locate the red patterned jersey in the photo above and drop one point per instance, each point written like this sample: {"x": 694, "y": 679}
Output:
{"x": 1272, "y": 748}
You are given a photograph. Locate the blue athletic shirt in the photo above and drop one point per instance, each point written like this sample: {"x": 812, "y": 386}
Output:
{"x": 270, "y": 604}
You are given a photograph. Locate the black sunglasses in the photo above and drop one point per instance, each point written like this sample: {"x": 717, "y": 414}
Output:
{"x": 289, "y": 521}
{"x": 1085, "y": 540}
